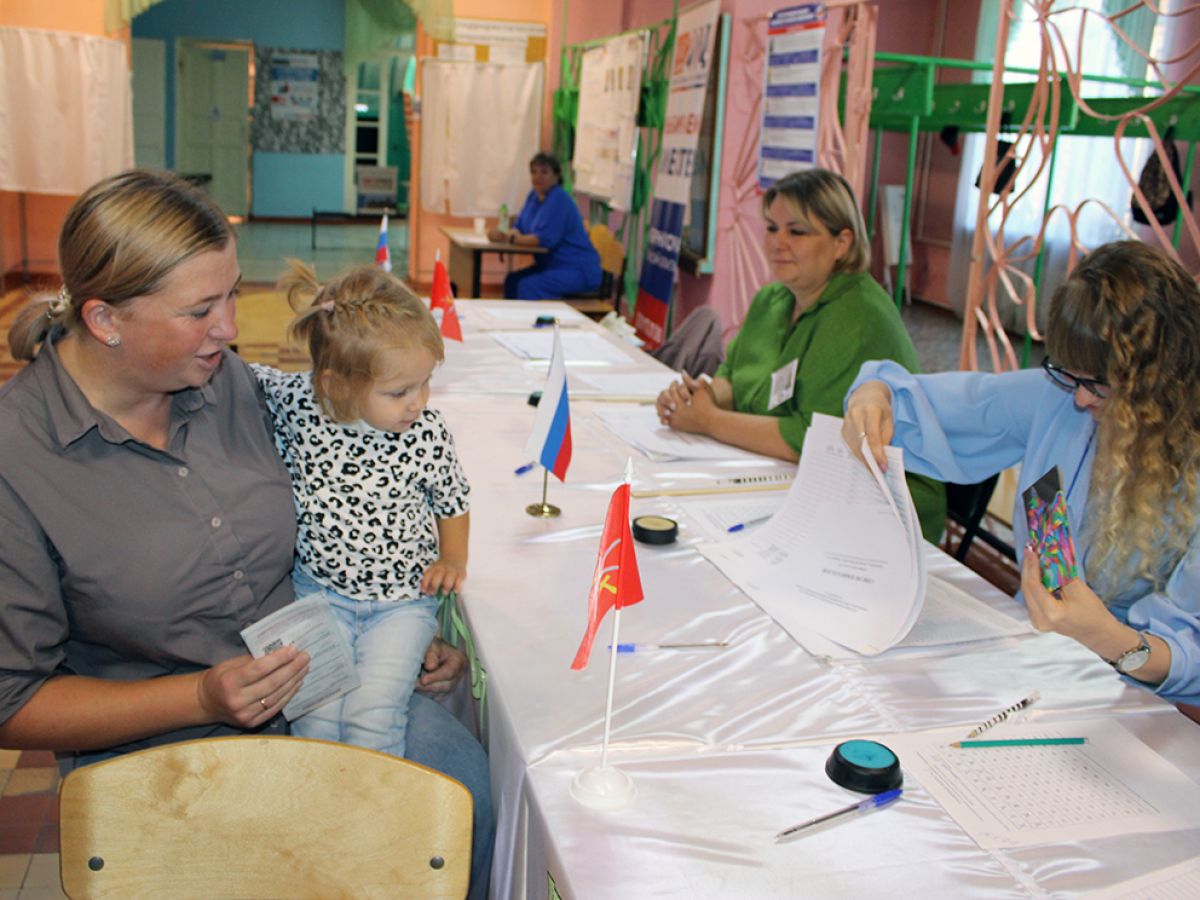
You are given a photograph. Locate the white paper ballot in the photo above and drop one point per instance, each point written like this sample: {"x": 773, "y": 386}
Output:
{"x": 639, "y": 427}
{"x": 1023, "y": 795}
{"x": 579, "y": 347}
{"x": 310, "y": 626}
{"x": 843, "y": 557}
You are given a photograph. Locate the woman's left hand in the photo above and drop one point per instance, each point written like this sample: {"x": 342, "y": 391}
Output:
{"x": 444, "y": 665}
{"x": 1076, "y": 613}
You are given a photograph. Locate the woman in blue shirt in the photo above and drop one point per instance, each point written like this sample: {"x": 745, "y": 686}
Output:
{"x": 1117, "y": 410}
{"x": 550, "y": 219}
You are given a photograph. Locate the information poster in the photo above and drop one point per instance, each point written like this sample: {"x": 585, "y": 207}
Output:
{"x": 610, "y": 84}
{"x": 694, "y": 46}
{"x": 293, "y": 80}
{"x": 789, "y": 127}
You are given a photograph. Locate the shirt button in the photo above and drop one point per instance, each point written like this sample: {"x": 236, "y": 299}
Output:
{"x": 238, "y": 575}
{"x": 183, "y": 471}
{"x": 216, "y": 522}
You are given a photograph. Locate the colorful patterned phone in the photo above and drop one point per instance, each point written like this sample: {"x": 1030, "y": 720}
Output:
{"x": 1049, "y": 530}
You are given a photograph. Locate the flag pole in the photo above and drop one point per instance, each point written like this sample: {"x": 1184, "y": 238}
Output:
{"x": 605, "y": 786}
{"x": 544, "y": 510}
{"x": 612, "y": 677}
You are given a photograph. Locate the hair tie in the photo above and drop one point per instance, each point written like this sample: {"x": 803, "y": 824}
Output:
{"x": 327, "y": 306}
{"x": 59, "y": 305}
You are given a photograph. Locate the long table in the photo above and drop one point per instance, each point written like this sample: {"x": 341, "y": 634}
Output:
{"x": 724, "y": 746}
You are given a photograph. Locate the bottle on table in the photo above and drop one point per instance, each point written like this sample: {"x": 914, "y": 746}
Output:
{"x": 504, "y": 223}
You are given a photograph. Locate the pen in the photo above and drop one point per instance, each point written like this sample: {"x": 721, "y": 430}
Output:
{"x": 521, "y": 470}
{"x": 1004, "y": 714}
{"x": 1021, "y": 742}
{"x": 740, "y": 526}
{"x": 854, "y": 809}
{"x": 706, "y": 645}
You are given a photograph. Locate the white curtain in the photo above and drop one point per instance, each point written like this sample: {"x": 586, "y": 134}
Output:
{"x": 1086, "y": 166}
{"x": 480, "y": 124}
{"x": 66, "y": 118}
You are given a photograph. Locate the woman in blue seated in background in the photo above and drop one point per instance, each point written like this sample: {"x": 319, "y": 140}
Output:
{"x": 1117, "y": 410}
{"x": 550, "y": 219}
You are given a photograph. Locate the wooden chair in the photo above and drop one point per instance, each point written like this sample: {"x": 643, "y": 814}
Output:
{"x": 258, "y": 817}
{"x": 597, "y": 302}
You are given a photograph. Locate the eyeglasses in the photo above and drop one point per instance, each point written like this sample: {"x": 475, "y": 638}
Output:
{"x": 1097, "y": 387}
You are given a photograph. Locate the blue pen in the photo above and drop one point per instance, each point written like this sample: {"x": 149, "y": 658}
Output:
{"x": 521, "y": 470}
{"x": 706, "y": 645}
{"x": 855, "y": 809}
{"x": 743, "y": 525}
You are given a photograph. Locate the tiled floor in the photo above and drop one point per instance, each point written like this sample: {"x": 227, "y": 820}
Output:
{"x": 28, "y": 826}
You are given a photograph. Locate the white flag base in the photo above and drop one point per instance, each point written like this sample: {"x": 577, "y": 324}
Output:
{"x": 603, "y": 787}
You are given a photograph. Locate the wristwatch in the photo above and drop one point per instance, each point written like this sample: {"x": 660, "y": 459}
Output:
{"x": 1132, "y": 660}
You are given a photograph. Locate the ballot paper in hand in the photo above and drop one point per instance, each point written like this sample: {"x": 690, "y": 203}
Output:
{"x": 309, "y": 625}
{"x": 843, "y": 557}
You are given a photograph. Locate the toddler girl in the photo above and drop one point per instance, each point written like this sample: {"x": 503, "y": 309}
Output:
{"x": 381, "y": 499}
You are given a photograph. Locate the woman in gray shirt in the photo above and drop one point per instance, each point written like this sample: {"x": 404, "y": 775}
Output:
{"x": 145, "y": 516}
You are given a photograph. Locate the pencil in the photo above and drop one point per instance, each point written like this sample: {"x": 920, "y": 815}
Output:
{"x": 696, "y": 491}
{"x": 1021, "y": 742}
{"x": 1004, "y": 714}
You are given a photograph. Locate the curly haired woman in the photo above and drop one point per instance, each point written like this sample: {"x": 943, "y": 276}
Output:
{"x": 1117, "y": 409}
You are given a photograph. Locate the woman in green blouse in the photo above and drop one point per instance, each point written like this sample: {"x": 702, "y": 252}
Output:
{"x": 805, "y": 335}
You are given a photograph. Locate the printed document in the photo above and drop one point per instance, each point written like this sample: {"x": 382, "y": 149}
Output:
{"x": 1023, "y": 795}
{"x": 309, "y": 624}
{"x": 639, "y": 427}
{"x": 843, "y": 557}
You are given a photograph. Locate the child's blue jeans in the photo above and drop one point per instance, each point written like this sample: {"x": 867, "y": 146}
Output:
{"x": 389, "y": 640}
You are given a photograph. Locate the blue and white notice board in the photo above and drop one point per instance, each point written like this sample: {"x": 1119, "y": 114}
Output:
{"x": 788, "y": 139}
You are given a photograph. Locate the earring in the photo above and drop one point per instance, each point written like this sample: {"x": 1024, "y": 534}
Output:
{"x": 113, "y": 341}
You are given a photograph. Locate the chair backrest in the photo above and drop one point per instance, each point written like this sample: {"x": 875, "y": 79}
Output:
{"x": 696, "y": 346}
{"x": 612, "y": 254}
{"x": 262, "y": 817}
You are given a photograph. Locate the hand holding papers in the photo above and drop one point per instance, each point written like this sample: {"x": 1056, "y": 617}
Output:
{"x": 310, "y": 626}
{"x": 844, "y": 555}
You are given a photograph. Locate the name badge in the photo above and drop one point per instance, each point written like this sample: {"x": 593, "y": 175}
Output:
{"x": 783, "y": 384}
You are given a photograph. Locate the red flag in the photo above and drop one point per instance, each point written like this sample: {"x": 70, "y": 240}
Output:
{"x": 441, "y": 297}
{"x": 616, "y": 581}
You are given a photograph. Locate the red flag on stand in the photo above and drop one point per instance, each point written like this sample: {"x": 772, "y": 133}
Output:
{"x": 441, "y": 297}
{"x": 616, "y": 582}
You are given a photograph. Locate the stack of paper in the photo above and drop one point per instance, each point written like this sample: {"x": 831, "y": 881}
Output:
{"x": 843, "y": 557}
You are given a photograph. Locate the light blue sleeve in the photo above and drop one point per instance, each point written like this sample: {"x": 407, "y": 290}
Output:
{"x": 959, "y": 426}
{"x": 1173, "y": 614}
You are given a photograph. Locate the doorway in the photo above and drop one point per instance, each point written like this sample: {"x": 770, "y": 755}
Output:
{"x": 213, "y": 101}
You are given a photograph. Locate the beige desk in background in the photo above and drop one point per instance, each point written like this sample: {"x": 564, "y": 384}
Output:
{"x": 466, "y": 255}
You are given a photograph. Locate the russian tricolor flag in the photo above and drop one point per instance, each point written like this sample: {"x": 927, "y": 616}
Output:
{"x": 383, "y": 259}
{"x": 550, "y": 441}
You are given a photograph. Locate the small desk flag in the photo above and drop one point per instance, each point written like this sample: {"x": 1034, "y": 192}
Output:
{"x": 550, "y": 441}
{"x": 441, "y": 297}
{"x": 616, "y": 582}
{"x": 383, "y": 258}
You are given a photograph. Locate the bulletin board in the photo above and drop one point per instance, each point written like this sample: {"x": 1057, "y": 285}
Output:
{"x": 302, "y": 128}
{"x": 606, "y": 130}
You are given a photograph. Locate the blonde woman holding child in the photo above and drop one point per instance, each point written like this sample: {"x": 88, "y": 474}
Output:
{"x": 381, "y": 499}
